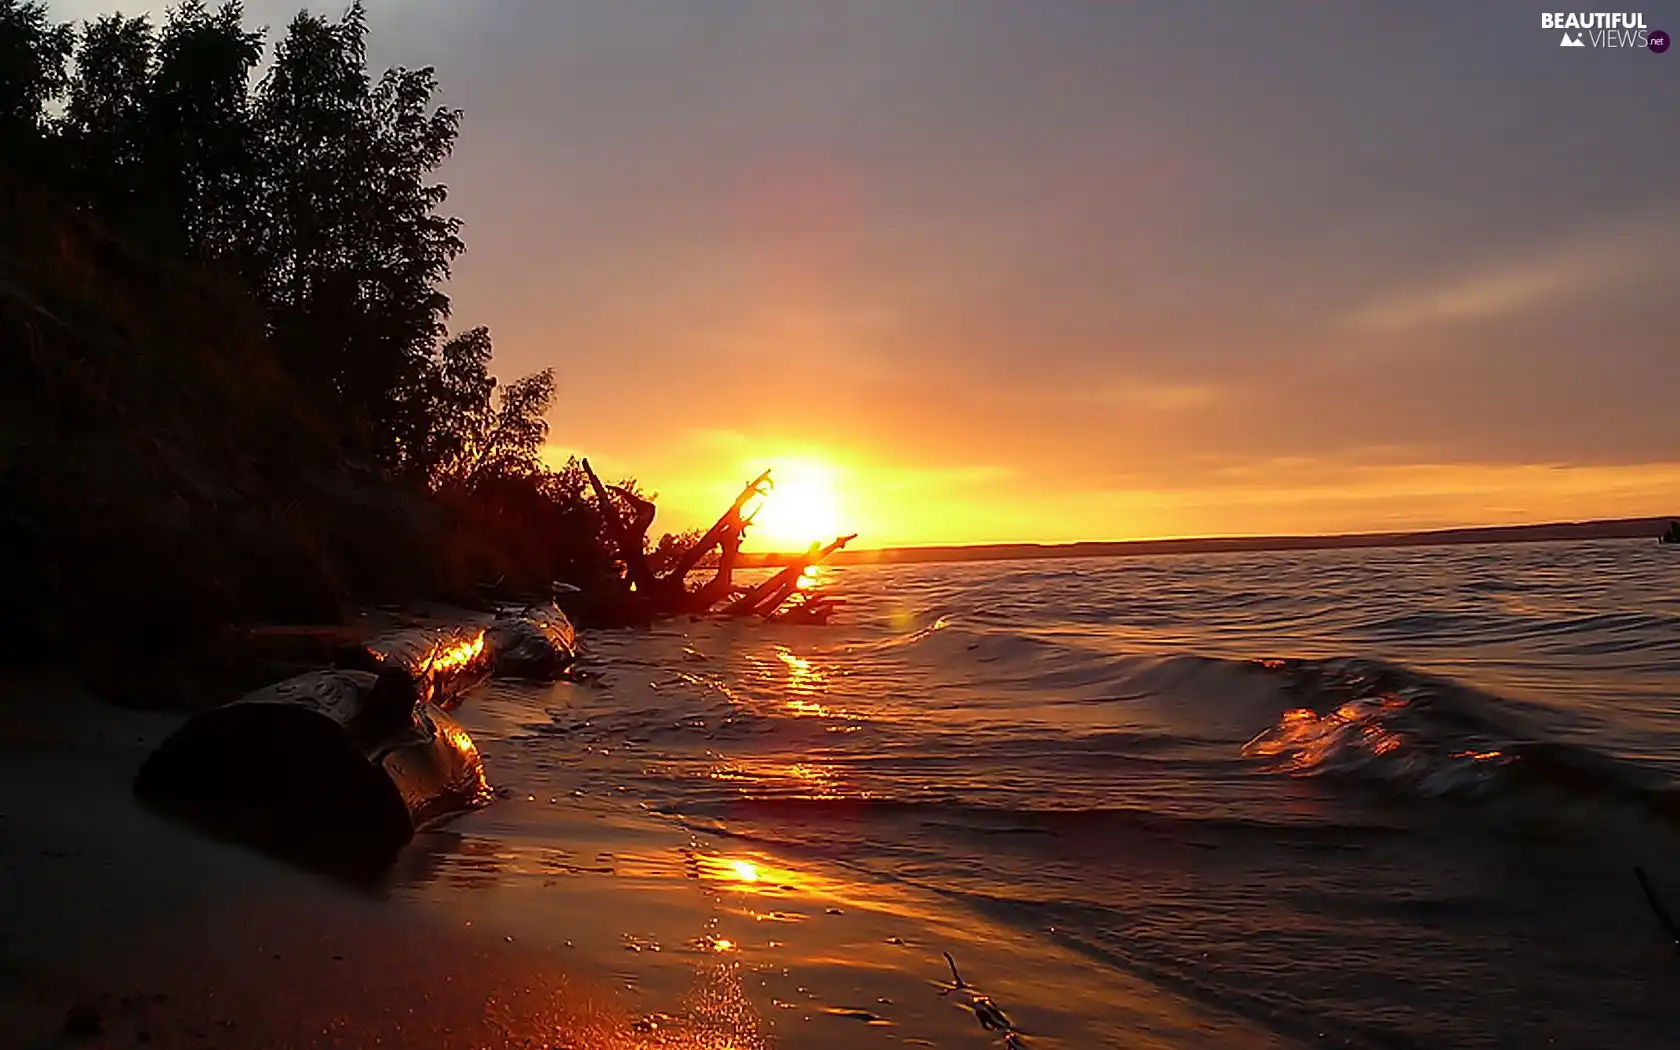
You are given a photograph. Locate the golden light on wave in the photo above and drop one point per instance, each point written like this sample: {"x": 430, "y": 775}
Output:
{"x": 745, "y": 870}
{"x": 1479, "y": 756}
{"x": 804, "y": 507}
{"x": 804, "y": 683}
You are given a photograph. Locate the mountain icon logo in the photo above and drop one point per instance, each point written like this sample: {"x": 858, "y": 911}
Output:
{"x": 1571, "y": 41}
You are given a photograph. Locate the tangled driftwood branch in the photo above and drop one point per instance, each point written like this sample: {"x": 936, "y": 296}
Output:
{"x": 668, "y": 594}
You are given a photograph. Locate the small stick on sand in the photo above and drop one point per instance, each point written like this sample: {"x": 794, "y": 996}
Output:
{"x": 956, "y": 978}
{"x": 990, "y": 1016}
{"x": 1657, "y": 906}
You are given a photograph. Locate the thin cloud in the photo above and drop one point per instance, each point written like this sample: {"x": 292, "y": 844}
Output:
{"x": 1164, "y": 397}
{"x": 1577, "y": 267}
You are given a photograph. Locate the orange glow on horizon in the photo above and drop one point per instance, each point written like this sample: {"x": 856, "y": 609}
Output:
{"x": 826, "y": 492}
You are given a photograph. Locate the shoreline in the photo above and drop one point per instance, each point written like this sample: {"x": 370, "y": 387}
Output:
{"x": 577, "y": 921}
{"x": 1553, "y": 532}
{"x": 636, "y": 886}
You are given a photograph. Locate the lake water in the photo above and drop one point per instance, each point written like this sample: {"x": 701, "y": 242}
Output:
{"x": 1373, "y": 798}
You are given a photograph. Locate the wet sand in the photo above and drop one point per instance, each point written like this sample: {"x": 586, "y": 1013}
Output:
{"x": 124, "y": 929}
{"x": 538, "y": 922}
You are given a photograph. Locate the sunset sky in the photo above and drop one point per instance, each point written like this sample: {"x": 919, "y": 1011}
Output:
{"x": 979, "y": 271}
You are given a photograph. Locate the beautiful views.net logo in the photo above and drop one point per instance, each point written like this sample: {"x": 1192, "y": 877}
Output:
{"x": 1605, "y": 29}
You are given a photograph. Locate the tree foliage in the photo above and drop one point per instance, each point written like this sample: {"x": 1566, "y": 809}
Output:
{"x": 351, "y": 268}
{"x": 486, "y": 431}
{"x": 315, "y": 184}
{"x": 33, "y": 56}
{"x": 105, "y": 122}
{"x": 200, "y": 149}
{"x": 291, "y": 166}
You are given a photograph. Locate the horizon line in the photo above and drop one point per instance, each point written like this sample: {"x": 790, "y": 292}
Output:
{"x": 1593, "y": 528}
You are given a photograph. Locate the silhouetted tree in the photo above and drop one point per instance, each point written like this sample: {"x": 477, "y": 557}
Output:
{"x": 105, "y": 122}
{"x": 354, "y": 253}
{"x": 512, "y": 444}
{"x": 200, "y": 142}
{"x": 314, "y": 186}
{"x": 33, "y": 53}
{"x": 478, "y": 428}
{"x": 459, "y": 389}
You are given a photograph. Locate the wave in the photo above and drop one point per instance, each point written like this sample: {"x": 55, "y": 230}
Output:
{"x": 979, "y": 818}
{"x": 1040, "y": 716}
{"x": 1342, "y": 844}
{"x": 1422, "y": 736}
{"x": 1001, "y": 691}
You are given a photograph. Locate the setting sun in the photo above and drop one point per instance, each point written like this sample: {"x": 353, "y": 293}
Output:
{"x": 801, "y": 510}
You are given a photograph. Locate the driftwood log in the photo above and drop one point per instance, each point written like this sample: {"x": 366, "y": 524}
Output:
{"x": 336, "y": 768}
{"x": 531, "y": 641}
{"x": 629, "y": 538}
{"x": 655, "y": 595}
{"x": 443, "y": 663}
{"x": 534, "y": 642}
{"x": 768, "y": 596}
{"x": 808, "y": 609}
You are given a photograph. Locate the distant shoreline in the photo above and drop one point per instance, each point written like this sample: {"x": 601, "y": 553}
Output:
{"x": 1613, "y": 529}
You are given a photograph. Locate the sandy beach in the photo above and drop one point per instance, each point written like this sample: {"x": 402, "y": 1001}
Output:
{"x": 541, "y": 921}
{"x": 124, "y": 929}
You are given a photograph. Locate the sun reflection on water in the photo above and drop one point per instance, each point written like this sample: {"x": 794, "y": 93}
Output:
{"x": 813, "y": 576}
{"x": 804, "y": 681}
{"x": 782, "y": 780}
{"x": 750, "y": 875}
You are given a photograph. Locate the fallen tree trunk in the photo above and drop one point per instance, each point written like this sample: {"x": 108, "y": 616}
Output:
{"x": 726, "y": 536}
{"x": 533, "y": 642}
{"x": 764, "y": 599}
{"x": 722, "y": 584}
{"x": 814, "y": 609}
{"x": 334, "y": 768}
{"x": 443, "y": 663}
{"x": 731, "y": 523}
{"x": 629, "y": 541}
